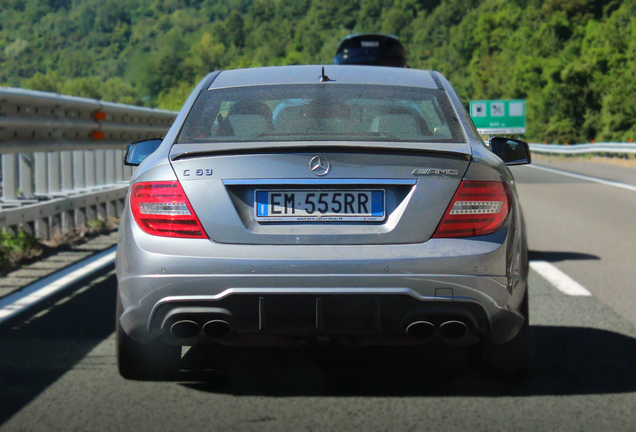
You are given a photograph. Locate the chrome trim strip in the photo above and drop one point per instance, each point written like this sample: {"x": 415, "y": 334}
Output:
{"x": 408, "y": 276}
{"x": 316, "y": 291}
{"x": 407, "y": 182}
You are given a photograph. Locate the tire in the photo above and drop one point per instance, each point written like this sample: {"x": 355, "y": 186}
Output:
{"x": 512, "y": 359}
{"x": 156, "y": 361}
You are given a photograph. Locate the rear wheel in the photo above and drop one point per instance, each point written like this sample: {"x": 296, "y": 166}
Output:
{"x": 509, "y": 360}
{"x": 156, "y": 361}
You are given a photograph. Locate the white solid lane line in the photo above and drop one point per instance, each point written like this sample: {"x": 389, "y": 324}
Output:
{"x": 560, "y": 280}
{"x": 37, "y": 291}
{"x": 584, "y": 177}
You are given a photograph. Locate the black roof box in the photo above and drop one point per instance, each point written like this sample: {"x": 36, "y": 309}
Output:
{"x": 371, "y": 49}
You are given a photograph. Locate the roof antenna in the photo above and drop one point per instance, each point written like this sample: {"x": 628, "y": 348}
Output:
{"x": 323, "y": 77}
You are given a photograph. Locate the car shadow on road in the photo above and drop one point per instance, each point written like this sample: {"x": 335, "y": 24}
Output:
{"x": 555, "y": 256}
{"x": 38, "y": 349}
{"x": 566, "y": 361}
{"x": 41, "y": 345}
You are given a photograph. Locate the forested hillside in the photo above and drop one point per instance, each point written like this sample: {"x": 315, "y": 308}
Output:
{"x": 574, "y": 61}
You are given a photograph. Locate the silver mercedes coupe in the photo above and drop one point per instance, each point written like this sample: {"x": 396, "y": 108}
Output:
{"x": 330, "y": 204}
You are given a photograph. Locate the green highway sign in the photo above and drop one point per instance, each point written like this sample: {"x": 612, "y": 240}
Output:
{"x": 499, "y": 116}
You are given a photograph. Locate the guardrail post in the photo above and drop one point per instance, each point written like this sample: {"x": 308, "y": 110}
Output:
{"x": 55, "y": 188}
{"x": 9, "y": 177}
{"x": 25, "y": 177}
{"x": 100, "y": 167}
{"x": 67, "y": 170}
{"x": 89, "y": 168}
{"x": 119, "y": 177}
{"x": 66, "y": 164}
{"x": 41, "y": 189}
{"x": 26, "y": 174}
{"x": 89, "y": 175}
{"x": 119, "y": 165}
{"x": 55, "y": 178}
{"x": 41, "y": 173}
{"x": 79, "y": 182}
{"x": 109, "y": 163}
{"x": 100, "y": 180}
{"x": 109, "y": 156}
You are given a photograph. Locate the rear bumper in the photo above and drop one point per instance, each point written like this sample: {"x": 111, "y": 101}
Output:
{"x": 355, "y": 315}
{"x": 273, "y": 295}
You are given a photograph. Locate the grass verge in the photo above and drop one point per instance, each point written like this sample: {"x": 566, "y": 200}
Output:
{"x": 17, "y": 249}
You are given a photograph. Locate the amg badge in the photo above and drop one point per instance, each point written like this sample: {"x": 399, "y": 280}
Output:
{"x": 434, "y": 171}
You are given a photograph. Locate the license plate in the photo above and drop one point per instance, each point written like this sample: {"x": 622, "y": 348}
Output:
{"x": 303, "y": 205}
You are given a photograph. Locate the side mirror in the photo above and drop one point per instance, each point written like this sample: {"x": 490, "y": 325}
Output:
{"x": 140, "y": 150}
{"x": 511, "y": 151}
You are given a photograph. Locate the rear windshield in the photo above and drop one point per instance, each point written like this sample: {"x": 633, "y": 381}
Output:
{"x": 321, "y": 112}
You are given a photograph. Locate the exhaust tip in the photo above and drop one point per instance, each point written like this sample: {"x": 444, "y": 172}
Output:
{"x": 185, "y": 329}
{"x": 421, "y": 330}
{"x": 453, "y": 330}
{"x": 217, "y": 328}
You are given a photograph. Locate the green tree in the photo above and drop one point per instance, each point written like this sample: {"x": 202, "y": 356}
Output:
{"x": 117, "y": 90}
{"x": 572, "y": 60}
{"x": 234, "y": 31}
{"x": 174, "y": 98}
{"x": 88, "y": 87}
{"x": 49, "y": 82}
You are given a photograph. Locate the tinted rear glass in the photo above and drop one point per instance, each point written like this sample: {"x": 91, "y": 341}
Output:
{"x": 371, "y": 50}
{"x": 321, "y": 112}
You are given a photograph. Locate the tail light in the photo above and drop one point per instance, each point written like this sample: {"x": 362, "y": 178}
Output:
{"x": 163, "y": 209}
{"x": 478, "y": 208}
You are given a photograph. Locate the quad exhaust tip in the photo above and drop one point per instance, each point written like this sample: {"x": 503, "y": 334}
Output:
{"x": 453, "y": 330}
{"x": 217, "y": 328}
{"x": 185, "y": 329}
{"x": 421, "y": 330}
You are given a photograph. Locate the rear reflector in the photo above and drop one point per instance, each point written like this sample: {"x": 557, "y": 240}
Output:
{"x": 162, "y": 209}
{"x": 478, "y": 208}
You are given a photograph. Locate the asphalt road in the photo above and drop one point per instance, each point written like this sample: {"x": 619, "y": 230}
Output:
{"x": 58, "y": 370}
{"x": 586, "y": 229}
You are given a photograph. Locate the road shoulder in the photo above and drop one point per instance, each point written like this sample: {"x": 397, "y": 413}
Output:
{"x": 592, "y": 168}
{"x": 53, "y": 262}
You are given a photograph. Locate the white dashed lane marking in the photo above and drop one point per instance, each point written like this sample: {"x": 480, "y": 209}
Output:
{"x": 560, "y": 280}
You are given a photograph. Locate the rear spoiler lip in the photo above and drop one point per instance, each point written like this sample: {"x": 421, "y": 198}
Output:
{"x": 457, "y": 150}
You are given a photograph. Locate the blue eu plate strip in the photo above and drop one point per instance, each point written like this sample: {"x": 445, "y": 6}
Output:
{"x": 261, "y": 202}
{"x": 377, "y": 203}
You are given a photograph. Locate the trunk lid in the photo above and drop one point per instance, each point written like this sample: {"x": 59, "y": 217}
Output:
{"x": 227, "y": 185}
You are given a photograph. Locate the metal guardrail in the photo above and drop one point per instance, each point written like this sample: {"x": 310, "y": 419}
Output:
{"x": 601, "y": 148}
{"x": 62, "y": 158}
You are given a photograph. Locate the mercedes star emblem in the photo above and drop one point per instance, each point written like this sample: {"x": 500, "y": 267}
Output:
{"x": 319, "y": 165}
